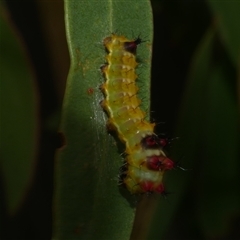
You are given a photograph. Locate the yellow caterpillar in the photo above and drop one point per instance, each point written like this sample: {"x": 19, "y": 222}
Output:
{"x": 145, "y": 160}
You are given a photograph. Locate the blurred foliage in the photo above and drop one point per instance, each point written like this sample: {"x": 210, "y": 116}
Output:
{"x": 194, "y": 91}
{"x": 18, "y": 142}
{"x": 206, "y": 198}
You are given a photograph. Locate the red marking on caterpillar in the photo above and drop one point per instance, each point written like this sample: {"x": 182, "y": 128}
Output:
{"x": 159, "y": 163}
{"x": 149, "y": 187}
{"x": 154, "y": 141}
{"x": 145, "y": 161}
{"x": 163, "y": 142}
{"x": 131, "y": 46}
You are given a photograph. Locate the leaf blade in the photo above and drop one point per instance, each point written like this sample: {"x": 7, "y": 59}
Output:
{"x": 88, "y": 165}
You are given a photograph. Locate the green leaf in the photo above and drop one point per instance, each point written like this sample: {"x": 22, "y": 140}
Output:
{"x": 18, "y": 126}
{"x": 220, "y": 155}
{"x": 88, "y": 201}
{"x": 227, "y": 16}
{"x": 209, "y": 126}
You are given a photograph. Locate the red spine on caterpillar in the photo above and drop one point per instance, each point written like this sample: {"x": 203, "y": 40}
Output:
{"x": 159, "y": 163}
{"x": 145, "y": 161}
{"x": 131, "y": 46}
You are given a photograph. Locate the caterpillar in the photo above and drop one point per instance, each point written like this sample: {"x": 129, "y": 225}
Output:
{"x": 145, "y": 161}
